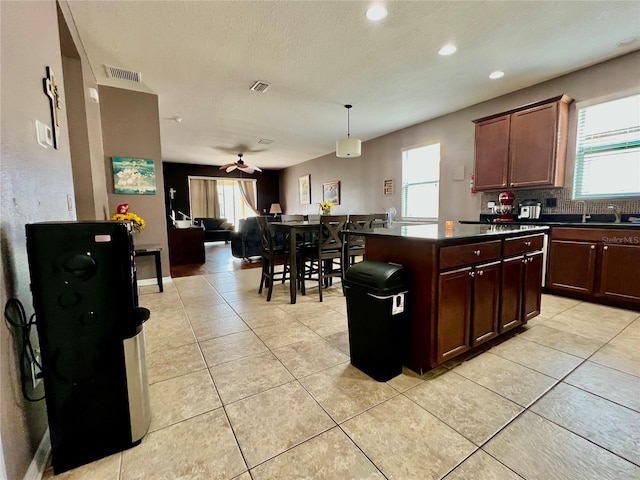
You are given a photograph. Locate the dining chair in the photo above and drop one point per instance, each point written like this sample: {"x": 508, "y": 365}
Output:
{"x": 379, "y": 220}
{"x": 354, "y": 245}
{"x": 271, "y": 255}
{"x": 325, "y": 258}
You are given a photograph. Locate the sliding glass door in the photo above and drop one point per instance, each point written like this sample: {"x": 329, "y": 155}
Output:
{"x": 222, "y": 198}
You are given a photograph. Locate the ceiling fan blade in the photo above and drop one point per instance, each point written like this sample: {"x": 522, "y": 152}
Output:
{"x": 231, "y": 168}
{"x": 249, "y": 170}
{"x": 254, "y": 167}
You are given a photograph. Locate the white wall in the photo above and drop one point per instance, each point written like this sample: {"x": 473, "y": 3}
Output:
{"x": 362, "y": 178}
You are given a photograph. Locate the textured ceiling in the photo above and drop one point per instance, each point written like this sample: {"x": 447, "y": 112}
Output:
{"x": 202, "y": 57}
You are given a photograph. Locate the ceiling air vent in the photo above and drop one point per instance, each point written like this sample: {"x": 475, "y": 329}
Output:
{"x": 122, "y": 74}
{"x": 260, "y": 86}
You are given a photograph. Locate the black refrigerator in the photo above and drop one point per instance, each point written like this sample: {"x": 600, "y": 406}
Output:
{"x": 90, "y": 330}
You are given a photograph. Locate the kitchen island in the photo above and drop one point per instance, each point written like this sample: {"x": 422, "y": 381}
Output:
{"x": 470, "y": 283}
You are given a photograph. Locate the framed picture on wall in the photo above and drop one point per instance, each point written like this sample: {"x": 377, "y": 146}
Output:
{"x": 134, "y": 176}
{"x": 331, "y": 192}
{"x": 388, "y": 187}
{"x": 304, "y": 189}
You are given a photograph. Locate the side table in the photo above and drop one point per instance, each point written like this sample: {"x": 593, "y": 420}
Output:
{"x": 146, "y": 250}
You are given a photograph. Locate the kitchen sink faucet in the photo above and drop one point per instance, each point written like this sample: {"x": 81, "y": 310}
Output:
{"x": 584, "y": 211}
{"x": 616, "y": 212}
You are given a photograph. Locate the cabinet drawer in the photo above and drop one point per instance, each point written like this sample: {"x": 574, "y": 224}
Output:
{"x": 604, "y": 235}
{"x": 518, "y": 245}
{"x": 472, "y": 253}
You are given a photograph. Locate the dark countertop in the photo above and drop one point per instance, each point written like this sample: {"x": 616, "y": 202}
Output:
{"x": 440, "y": 234}
{"x": 564, "y": 220}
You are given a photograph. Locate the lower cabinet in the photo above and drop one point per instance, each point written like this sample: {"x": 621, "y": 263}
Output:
{"x": 186, "y": 246}
{"x": 521, "y": 292}
{"x": 572, "y": 265}
{"x": 486, "y": 302}
{"x": 599, "y": 265}
{"x": 620, "y": 272}
{"x": 454, "y": 313}
{"x": 468, "y": 303}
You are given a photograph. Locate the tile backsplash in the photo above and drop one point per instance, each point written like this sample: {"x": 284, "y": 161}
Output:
{"x": 565, "y": 204}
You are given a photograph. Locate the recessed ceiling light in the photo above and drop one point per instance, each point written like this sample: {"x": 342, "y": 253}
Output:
{"x": 447, "y": 50}
{"x": 377, "y": 12}
{"x": 496, "y": 74}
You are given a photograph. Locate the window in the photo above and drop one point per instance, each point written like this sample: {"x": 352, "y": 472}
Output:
{"x": 421, "y": 182}
{"x": 233, "y": 205}
{"x": 608, "y": 150}
{"x": 221, "y": 198}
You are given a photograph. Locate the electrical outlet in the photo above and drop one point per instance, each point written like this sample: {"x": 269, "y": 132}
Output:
{"x": 35, "y": 371}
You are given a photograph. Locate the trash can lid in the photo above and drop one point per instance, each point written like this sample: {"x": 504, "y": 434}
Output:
{"x": 380, "y": 276}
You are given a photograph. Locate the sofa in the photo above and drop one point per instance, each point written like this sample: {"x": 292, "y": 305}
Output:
{"x": 215, "y": 229}
{"x": 245, "y": 242}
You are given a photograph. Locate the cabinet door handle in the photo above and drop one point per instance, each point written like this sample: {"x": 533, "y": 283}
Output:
{"x": 480, "y": 272}
{"x": 476, "y": 252}
{"x": 527, "y": 244}
{"x": 593, "y": 247}
{"x": 471, "y": 274}
{"x": 605, "y": 247}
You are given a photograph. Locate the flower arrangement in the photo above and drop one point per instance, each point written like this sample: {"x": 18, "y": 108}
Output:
{"x": 124, "y": 215}
{"x": 325, "y": 208}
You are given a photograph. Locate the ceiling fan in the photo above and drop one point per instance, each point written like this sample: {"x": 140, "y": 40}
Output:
{"x": 244, "y": 167}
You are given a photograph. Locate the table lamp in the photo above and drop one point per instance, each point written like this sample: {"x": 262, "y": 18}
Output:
{"x": 275, "y": 209}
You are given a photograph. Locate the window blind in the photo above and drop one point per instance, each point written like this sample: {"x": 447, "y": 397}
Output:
{"x": 420, "y": 182}
{"x": 608, "y": 150}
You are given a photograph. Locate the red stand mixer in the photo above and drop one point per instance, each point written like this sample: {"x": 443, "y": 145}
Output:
{"x": 505, "y": 207}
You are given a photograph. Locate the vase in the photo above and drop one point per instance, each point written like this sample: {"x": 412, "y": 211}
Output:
{"x": 325, "y": 211}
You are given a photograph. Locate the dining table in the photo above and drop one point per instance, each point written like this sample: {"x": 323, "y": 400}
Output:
{"x": 291, "y": 230}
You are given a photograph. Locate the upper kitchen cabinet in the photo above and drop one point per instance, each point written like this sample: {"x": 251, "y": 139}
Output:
{"x": 524, "y": 147}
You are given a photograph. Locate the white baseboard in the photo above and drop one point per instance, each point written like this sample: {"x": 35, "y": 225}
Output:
{"x": 154, "y": 281}
{"x": 39, "y": 462}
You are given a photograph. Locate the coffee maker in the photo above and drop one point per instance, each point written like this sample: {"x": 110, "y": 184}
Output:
{"x": 505, "y": 207}
{"x": 529, "y": 209}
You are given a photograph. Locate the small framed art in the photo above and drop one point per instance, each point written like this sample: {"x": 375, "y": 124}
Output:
{"x": 304, "y": 189}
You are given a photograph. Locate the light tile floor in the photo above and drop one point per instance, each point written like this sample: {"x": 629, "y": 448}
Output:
{"x": 249, "y": 390}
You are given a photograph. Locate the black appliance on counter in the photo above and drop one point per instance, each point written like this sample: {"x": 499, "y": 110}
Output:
{"x": 90, "y": 328}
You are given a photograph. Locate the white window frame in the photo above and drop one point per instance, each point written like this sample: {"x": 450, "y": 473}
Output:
{"x": 406, "y": 185}
{"x": 629, "y": 144}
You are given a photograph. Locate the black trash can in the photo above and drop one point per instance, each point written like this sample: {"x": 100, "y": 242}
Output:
{"x": 378, "y": 318}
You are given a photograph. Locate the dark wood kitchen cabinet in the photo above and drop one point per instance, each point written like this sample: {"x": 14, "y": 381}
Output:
{"x": 468, "y": 308}
{"x": 521, "y": 281}
{"x": 596, "y": 264}
{"x": 186, "y": 246}
{"x": 458, "y": 283}
{"x": 524, "y": 147}
{"x": 486, "y": 302}
{"x": 468, "y": 297}
{"x": 620, "y": 271}
{"x": 454, "y": 313}
{"x": 572, "y": 265}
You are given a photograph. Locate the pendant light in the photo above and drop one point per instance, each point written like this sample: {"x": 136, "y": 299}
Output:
{"x": 348, "y": 147}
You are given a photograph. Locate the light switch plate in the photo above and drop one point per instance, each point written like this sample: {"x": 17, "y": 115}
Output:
{"x": 458, "y": 173}
{"x": 44, "y": 134}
